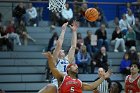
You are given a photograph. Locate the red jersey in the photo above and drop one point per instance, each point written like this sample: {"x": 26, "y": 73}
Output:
{"x": 132, "y": 86}
{"x": 70, "y": 85}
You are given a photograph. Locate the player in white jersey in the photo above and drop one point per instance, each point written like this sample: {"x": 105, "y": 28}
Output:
{"x": 60, "y": 57}
{"x": 61, "y": 66}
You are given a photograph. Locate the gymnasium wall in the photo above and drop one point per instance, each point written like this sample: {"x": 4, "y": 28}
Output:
{"x": 110, "y": 11}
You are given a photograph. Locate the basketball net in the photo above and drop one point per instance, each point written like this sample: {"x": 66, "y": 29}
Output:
{"x": 56, "y": 5}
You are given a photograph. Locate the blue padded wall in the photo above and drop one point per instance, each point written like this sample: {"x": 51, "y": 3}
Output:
{"x": 110, "y": 11}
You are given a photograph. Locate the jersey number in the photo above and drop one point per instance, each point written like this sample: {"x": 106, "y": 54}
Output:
{"x": 72, "y": 89}
{"x": 64, "y": 68}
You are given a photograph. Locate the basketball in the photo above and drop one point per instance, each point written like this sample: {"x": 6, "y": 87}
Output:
{"x": 91, "y": 14}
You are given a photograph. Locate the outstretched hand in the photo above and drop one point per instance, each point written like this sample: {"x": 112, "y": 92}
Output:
{"x": 64, "y": 26}
{"x": 47, "y": 55}
{"x": 108, "y": 73}
{"x": 74, "y": 26}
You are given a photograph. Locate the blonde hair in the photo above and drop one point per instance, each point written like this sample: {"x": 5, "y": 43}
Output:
{"x": 83, "y": 49}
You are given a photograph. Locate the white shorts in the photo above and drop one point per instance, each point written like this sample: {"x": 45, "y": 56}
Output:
{"x": 55, "y": 82}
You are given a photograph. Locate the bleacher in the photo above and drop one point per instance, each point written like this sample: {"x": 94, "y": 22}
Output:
{"x": 23, "y": 70}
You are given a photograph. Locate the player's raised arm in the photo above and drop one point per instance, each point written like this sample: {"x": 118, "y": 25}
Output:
{"x": 52, "y": 66}
{"x": 71, "y": 52}
{"x": 60, "y": 41}
{"x": 95, "y": 84}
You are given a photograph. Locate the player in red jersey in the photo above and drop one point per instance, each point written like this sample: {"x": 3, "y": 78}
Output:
{"x": 132, "y": 81}
{"x": 69, "y": 83}
{"x": 61, "y": 59}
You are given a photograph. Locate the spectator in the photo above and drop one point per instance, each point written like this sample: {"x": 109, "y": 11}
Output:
{"x": 102, "y": 37}
{"x": 137, "y": 10}
{"x": 101, "y": 19}
{"x": 100, "y": 60}
{"x": 133, "y": 54}
{"x": 52, "y": 41}
{"x": 117, "y": 39}
{"x": 19, "y": 13}
{"x": 4, "y": 40}
{"x": 83, "y": 59}
{"x": 55, "y": 18}
{"x": 123, "y": 24}
{"x": 130, "y": 38}
{"x": 87, "y": 42}
{"x": 83, "y": 21}
{"x": 80, "y": 41}
{"x": 125, "y": 64}
{"x": 22, "y": 31}
{"x": 32, "y": 15}
{"x": 10, "y": 30}
{"x": 105, "y": 85}
{"x": 115, "y": 87}
{"x": 76, "y": 10}
{"x": 136, "y": 28}
{"x": 114, "y": 23}
{"x": 67, "y": 14}
{"x": 130, "y": 17}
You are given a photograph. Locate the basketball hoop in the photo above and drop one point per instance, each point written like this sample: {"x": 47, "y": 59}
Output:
{"x": 56, "y": 5}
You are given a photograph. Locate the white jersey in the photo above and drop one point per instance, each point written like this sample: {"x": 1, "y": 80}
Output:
{"x": 61, "y": 66}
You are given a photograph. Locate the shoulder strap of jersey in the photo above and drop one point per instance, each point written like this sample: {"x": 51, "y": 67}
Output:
{"x": 127, "y": 77}
{"x": 57, "y": 62}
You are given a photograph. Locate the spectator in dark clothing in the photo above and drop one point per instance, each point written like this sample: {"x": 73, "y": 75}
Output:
{"x": 19, "y": 12}
{"x": 4, "y": 40}
{"x": 117, "y": 39}
{"x": 125, "y": 65}
{"x": 82, "y": 10}
{"x": 51, "y": 47}
{"x": 55, "y": 19}
{"x": 100, "y": 60}
{"x": 133, "y": 54}
{"x": 76, "y": 10}
{"x": 52, "y": 41}
{"x": 80, "y": 42}
{"x": 101, "y": 19}
{"x": 137, "y": 10}
{"x": 136, "y": 28}
{"x": 102, "y": 37}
